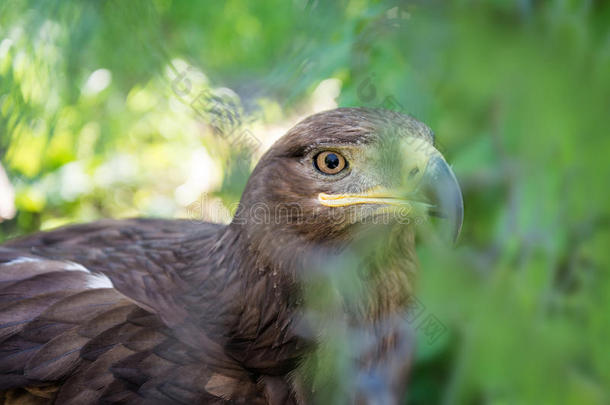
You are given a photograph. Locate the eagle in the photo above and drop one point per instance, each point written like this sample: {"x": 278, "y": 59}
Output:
{"x": 160, "y": 311}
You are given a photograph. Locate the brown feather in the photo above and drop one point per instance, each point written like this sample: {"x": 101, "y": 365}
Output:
{"x": 175, "y": 311}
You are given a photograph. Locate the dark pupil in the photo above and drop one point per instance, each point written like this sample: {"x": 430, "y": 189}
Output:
{"x": 331, "y": 161}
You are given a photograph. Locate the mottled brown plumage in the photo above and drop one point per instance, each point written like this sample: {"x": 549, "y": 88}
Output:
{"x": 174, "y": 311}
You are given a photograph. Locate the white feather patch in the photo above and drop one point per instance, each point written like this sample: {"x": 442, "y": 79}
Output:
{"x": 20, "y": 260}
{"x": 72, "y": 266}
{"x": 98, "y": 280}
{"x": 95, "y": 280}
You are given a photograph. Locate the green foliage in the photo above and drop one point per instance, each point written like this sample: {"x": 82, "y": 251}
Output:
{"x": 516, "y": 91}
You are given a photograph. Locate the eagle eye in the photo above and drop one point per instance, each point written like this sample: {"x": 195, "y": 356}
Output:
{"x": 329, "y": 162}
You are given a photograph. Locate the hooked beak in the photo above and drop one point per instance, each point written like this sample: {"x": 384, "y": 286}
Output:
{"x": 429, "y": 185}
{"x": 442, "y": 190}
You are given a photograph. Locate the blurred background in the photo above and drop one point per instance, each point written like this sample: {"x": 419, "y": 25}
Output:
{"x": 104, "y": 112}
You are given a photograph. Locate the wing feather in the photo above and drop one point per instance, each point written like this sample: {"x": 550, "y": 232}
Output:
{"x": 96, "y": 309}
{"x": 57, "y": 358}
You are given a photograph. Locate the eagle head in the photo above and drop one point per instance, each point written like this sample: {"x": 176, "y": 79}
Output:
{"x": 339, "y": 169}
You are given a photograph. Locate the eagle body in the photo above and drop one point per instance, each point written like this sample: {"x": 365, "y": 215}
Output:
{"x": 156, "y": 311}
{"x": 114, "y": 303}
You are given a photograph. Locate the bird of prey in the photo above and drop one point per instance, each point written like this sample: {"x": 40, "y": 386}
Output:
{"x": 153, "y": 311}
